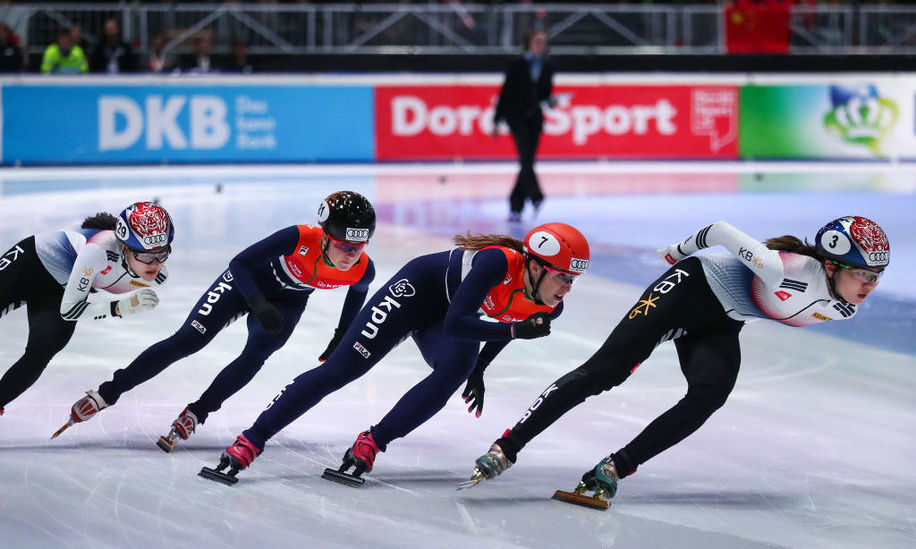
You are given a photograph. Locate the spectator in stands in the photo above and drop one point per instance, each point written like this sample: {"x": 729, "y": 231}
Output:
{"x": 112, "y": 54}
{"x": 238, "y": 62}
{"x": 76, "y": 32}
{"x": 63, "y": 56}
{"x": 528, "y": 84}
{"x": 10, "y": 52}
{"x": 200, "y": 62}
{"x": 157, "y": 59}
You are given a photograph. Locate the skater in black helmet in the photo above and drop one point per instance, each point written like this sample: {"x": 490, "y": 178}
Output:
{"x": 53, "y": 274}
{"x": 702, "y": 303}
{"x": 272, "y": 279}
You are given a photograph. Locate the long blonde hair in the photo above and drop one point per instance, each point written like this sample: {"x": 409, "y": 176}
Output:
{"x": 789, "y": 243}
{"x": 476, "y": 242}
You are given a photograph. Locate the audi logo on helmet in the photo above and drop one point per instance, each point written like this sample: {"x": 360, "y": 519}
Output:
{"x": 155, "y": 239}
{"x": 578, "y": 265}
{"x": 878, "y": 257}
{"x": 357, "y": 235}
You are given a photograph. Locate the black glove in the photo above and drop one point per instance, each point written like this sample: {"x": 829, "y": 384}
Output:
{"x": 473, "y": 391}
{"x": 534, "y": 326}
{"x": 270, "y": 318}
{"x": 338, "y": 335}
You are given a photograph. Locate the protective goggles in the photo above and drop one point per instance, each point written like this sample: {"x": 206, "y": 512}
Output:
{"x": 346, "y": 246}
{"x": 148, "y": 258}
{"x": 562, "y": 276}
{"x": 864, "y": 275}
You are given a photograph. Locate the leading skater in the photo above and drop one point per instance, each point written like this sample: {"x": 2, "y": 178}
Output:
{"x": 702, "y": 303}
{"x": 436, "y": 299}
{"x": 53, "y": 273}
{"x": 272, "y": 279}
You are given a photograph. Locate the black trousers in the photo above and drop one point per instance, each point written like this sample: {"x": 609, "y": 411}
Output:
{"x": 24, "y": 280}
{"x": 680, "y": 306}
{"x": 218, "y": 307}
{"x": 527, "y": 134}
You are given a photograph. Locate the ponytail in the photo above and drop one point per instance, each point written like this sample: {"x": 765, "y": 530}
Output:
{"x": 789, "y": 243}
{"x": 476, "y": 242}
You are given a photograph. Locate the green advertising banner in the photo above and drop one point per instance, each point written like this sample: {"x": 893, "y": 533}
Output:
{"x": 861, "y": 120}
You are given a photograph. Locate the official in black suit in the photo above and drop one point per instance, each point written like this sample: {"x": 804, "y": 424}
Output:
{"x": 529, "y": 81}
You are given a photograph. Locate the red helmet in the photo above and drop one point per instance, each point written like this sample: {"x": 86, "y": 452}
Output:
{"x": 559, "y": 245}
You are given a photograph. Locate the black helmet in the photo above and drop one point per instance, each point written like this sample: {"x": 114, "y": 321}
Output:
{"x": 347, "y": 215}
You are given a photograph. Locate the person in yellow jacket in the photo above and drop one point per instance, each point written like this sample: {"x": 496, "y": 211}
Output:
{"x": 64, "y": 57}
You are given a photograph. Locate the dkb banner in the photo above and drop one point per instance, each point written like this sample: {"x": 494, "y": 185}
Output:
{"x": 59, "y": 123}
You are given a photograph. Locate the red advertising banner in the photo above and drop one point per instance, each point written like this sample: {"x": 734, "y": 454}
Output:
{"x": 445, "y": 122}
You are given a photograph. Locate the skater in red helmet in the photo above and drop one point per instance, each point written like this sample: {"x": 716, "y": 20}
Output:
{"x": 701, "y": 303}
{"x": 437, "y": 300}
{"x": 53, "y": 274}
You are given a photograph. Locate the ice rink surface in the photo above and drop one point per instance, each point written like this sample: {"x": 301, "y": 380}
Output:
{"x": 814, "y": 449}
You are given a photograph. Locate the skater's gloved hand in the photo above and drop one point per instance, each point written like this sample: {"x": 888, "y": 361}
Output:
{"x": 473, "y": 391}
{"x": 335, "y": 341}
{"x": 533, "y": 327}
{"x": 142, "y": 300}
{"x": 670, "y": 254}
{"x": 270, "y": 318}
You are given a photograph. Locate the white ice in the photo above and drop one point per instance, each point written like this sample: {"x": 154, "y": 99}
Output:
{"x": 815, "y": 448}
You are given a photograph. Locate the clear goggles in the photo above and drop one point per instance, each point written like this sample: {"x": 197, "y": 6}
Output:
{"x": 864, "y": 275}
{"x": 148, "y": 258}
{"x": 346, "y": 246}
{"x": 561, "y": 276}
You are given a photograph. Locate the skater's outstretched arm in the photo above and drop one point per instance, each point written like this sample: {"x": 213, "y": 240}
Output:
{"x": 74, "y": 305}
{"x": 761, "y": 260}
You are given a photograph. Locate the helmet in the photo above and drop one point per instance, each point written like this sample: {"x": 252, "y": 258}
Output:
{"x": 855, "y": 241}
{"x": 346, "y": 215}
{"x": 144, "y": 226}
{"x": 559, "y": 245}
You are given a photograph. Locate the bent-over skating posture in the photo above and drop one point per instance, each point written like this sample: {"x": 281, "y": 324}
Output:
{"x": 701, "y": 303}
{"x": 436, "y": 299}
{"x": 53, "y": 273}
{"x": 273, "y": 279}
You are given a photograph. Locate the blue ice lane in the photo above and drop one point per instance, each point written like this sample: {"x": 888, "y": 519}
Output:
{"x": 885, "y": 320}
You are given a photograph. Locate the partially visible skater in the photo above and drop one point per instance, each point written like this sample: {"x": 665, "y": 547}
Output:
{"x": 272, "y": 280}
{"x": 702, "y": 303}
{"x": 53, "y": 273}
{"x": 490, "y": 288}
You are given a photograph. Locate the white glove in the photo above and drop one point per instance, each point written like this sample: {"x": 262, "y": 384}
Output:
{"x": 142, "y": 300}
{"x": 670, "y": 254}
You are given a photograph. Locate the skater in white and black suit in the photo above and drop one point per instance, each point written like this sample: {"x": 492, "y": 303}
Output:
{"x": 53, "y": 273}
{"x": 702, "y": 303}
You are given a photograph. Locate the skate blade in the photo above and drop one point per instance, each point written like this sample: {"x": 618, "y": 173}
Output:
{"x": 218, "y": 476}
{"x": 342, "y": 478}
{"x": 475, "y": 479}
{"x": 166, "y": 444}
{"x": 581, "y": 499}
{"x": 63, "y": 428}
